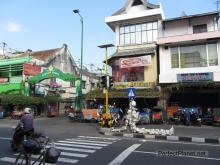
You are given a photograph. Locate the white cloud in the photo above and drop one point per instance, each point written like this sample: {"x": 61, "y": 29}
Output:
{"x": 13, "y": 27}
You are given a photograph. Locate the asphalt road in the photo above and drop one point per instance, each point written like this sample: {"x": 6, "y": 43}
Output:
{"x": 81, "y": 143}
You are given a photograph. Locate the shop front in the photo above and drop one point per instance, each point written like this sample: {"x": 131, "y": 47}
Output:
{"x": 195, "y": 90}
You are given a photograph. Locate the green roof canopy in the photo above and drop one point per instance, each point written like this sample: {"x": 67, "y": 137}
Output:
{"x": 13, "y": 61}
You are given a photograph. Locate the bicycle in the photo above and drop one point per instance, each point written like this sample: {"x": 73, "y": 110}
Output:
{"x": 41, "y": 147}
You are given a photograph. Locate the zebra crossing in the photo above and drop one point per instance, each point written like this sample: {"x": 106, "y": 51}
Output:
{"x": 72, "y": 150}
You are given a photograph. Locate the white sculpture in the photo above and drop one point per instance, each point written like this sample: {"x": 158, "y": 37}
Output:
{"x": 132, "y": 118}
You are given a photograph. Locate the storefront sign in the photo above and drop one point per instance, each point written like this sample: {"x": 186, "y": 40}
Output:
{"x": 31, "y": 70}
{"x": 135, "y": 61}
{"x": 195, "y": 77}
{"x": 4, "y": 80}
{"x": 137, "y": 84}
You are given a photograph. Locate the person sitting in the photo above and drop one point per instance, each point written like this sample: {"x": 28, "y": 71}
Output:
{"x": 24, "y": 128}
{"x": 27, "y": 122}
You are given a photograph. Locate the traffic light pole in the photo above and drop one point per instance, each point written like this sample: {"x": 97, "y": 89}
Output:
{"x": 106, "y": 71}
{"x": 106, "y": 117}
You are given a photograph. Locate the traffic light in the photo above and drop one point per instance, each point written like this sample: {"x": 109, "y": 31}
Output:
{"x": 111, "y": 83}
{"x": 104, "y": 82}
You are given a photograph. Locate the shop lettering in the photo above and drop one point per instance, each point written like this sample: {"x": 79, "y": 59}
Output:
{"x": 134, "y": 84}
{"x": 135, "y": 61}
{"x": 195, "y": 77}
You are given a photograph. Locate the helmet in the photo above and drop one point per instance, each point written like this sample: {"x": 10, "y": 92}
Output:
{"x": 27, "y": 110}
{"x": 133, "y": 103}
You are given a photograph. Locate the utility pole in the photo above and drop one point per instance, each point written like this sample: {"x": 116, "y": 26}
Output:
{"x": 3, "y": 48}
{"x": 217, "y": 3}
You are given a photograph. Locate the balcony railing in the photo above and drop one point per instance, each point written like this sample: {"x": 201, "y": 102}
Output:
{"x": 188, "y": 37}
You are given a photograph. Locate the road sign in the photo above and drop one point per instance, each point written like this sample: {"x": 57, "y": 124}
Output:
{"x": 131, "y": 93}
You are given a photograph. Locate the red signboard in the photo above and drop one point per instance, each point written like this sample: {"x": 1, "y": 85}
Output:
{"x": 135, "y": 61}
{"x": 31, "y": 69}
{"x": 4, "y": 79}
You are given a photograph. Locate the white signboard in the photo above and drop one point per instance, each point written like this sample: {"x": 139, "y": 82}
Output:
{"x": 135, "y": 61}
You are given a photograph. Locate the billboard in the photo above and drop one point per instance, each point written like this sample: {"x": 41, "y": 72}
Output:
{"x": 31, "y": 69}
{"x": 135, "y": 61}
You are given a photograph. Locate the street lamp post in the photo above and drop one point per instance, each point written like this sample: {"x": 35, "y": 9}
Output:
{"x": 76, "y": 11}
{"x": 107, "y": 78}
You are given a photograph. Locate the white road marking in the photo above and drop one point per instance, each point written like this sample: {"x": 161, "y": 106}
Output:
{"x": 184, "y": 156}
{"x": 3, "y": 138}
{"x": 65, "y": 160}
{"x": 91, "y": 137}
{"x": 12, "y": 160}
{"x": 120, "y": 158}
{"x": 91, "y": 144}
{"x": 75, "y": 145}
{"x": 73, "y": 154}
{"x": 75, "y": 149}
{"x": 92, "y": 141}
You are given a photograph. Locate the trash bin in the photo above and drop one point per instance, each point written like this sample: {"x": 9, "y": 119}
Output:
{"x": 1, "y": 115}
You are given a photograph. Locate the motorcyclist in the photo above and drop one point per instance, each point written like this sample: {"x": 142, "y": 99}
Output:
{"x": 24, "y": 128}
{"x": 27, "y": 122}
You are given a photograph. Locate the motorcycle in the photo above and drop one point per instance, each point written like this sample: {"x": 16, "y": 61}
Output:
{"x": 191, "y": 116}
{"x": 19, "y": 136}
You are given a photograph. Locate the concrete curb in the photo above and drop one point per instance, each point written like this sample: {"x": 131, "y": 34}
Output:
{"x": 107, "y": 132}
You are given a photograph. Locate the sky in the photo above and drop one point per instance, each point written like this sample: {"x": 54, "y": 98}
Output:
{"x": 48, "y": 24}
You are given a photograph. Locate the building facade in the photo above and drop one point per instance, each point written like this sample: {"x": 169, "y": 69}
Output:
{"x": 16, "y": 69}
{"x": 190, "y": 60}
{"x": 135, "y": 62}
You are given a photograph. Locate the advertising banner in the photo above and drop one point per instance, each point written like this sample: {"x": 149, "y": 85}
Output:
{"x": 4, "y": 80}
{"x": 31, "y": 70}
{"x": 135, "y": 61}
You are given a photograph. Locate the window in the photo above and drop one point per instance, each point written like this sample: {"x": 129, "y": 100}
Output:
{"x": 175, "y": 57}
{"x": 132, "y": 74}
{"x": 84, "y": 84}
{"x": 92, "y": 85}
{"x": 138, "y": 34}
{"x": 72, "y": 84}
{"x": 16, "y": 73}
{"x": 200, "y": 28}
{"x": 213, "y": 56}
{"x": 4, "y": 74}
{"x": 194, "y": 56}
{"x": 137, "y": 2}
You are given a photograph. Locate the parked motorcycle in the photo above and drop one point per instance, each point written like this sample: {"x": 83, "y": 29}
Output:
{"x": 191, "y": 116}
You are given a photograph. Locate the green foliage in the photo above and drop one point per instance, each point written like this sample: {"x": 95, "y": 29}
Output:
{"x": 28, "y": 100}
{"x": 21, "y": 100}
{"x": 52, "y": 99}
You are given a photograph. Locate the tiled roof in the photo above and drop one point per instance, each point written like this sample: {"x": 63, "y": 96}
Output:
{"x": 145, "y": 3}
{"x": 46, "y": 54}
{"x": 192, "y": 16}
{"x": 133, "y": 52}
{"x": 43, "y": 55}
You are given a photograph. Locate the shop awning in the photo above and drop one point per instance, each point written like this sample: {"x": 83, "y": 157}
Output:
{"x": 122, "y": 93}
{"x": 132, "y": 52}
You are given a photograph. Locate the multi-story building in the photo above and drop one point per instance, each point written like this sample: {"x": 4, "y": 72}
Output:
{"x": 135, "y": 62}
{"x": 190, "y": 60}
{"x": 17, "y": 68}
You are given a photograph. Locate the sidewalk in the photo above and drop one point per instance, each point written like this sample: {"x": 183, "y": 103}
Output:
{"x": 203, "y": 134}
{"x": 189, "y": 131}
